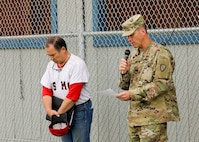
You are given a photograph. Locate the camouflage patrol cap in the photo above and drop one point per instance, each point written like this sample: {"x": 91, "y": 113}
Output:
{"x": 133, "y": 23}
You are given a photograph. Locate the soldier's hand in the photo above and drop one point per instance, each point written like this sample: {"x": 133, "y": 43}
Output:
{"x": 124, "y": 96}
{"x": 124, "y": 66}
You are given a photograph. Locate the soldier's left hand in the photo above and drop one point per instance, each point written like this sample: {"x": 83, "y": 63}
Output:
{"x": 124, "y": 96}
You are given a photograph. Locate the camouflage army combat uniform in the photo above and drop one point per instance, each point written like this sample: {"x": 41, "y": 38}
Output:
{"x": 151, "y": 87}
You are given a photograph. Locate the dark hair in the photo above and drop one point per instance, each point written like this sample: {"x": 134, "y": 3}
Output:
{"x": 57, "y": 42}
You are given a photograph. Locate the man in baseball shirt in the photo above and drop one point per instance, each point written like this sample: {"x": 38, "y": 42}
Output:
{"x": 66, "y": 77}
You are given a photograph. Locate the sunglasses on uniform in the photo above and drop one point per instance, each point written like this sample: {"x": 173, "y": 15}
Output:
{"x": 54, "y": 67}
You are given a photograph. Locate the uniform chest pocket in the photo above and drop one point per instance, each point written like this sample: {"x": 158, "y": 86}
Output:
{"x": 147, "y": 74}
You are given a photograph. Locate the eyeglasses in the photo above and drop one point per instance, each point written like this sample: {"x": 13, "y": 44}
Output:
{"x": 54, "y": 67}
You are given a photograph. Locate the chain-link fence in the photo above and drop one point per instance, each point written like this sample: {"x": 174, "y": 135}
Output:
{"x": 92, "y": 30}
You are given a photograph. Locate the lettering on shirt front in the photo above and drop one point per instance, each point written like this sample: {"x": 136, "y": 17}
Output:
{"x": 63, "y": 85}
{"x": 54, "y": 85}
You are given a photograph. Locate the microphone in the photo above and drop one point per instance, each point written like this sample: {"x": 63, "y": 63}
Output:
{"x": 126, "y": 55}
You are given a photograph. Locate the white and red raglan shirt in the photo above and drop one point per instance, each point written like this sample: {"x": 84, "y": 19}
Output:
{"x": 70, "y": 81}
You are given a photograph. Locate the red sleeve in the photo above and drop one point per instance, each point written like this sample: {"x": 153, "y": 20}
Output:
{"x": 74, "y": 91}
{"x": 46, "y": 91}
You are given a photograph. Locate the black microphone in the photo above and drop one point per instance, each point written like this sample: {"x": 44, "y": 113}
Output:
{"x": 126, "y": 55}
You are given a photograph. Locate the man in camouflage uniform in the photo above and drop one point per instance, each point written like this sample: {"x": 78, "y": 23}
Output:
{"x": 147, "y": 80}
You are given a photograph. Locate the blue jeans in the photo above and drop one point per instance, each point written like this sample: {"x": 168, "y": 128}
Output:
{"x": 80, "y": 128}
